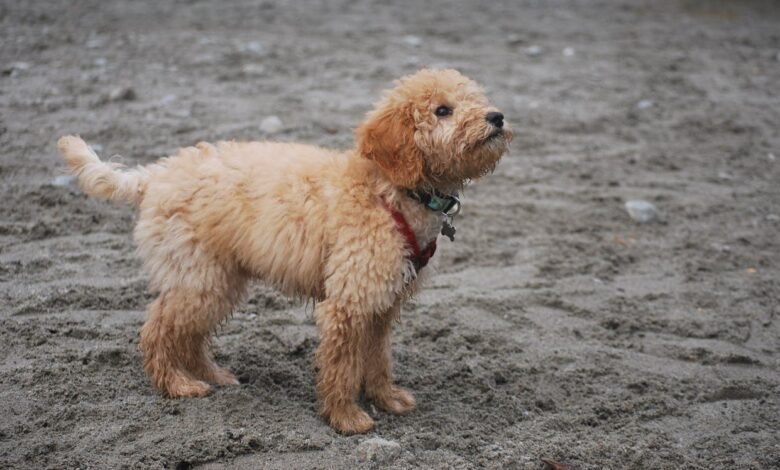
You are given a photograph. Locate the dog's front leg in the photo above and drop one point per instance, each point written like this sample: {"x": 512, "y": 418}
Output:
{"x": 379, "y": 385}
{"x": 340, "y": 358}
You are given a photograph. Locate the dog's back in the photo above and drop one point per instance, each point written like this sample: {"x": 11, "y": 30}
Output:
{"x": 260, "y": 207}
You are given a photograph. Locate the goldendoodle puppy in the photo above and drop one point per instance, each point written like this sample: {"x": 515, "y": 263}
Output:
{"x": 352, "y": 230}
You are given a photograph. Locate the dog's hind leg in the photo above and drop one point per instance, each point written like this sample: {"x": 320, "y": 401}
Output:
{"x": 176, "y": 336}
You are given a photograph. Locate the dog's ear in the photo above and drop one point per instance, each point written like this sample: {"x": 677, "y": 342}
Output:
{"x": 387, "y": 138}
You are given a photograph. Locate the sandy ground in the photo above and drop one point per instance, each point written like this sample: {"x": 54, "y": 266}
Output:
{"x": 557, "y": 326}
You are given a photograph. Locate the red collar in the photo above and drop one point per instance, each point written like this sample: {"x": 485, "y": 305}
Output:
{"x": 419, "y": 258}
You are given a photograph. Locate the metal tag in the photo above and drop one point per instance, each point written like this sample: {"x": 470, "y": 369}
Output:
{"x": 448, "y": 230}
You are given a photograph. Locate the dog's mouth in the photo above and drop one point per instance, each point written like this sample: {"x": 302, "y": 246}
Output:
{"x": 497, "y": 133}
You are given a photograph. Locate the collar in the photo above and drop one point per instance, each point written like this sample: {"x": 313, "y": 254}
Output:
{"x": 419, "y": 257}
{"x": 436, "y": 201}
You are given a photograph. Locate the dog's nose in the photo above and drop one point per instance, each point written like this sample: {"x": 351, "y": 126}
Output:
{"x": 497, "y": 119}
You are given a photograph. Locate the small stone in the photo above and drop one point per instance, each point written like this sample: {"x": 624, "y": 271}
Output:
{"x": 100, "y": 62}
{"x": 725, "y": 176}
{"x": 720, "y": 247}
{"x": 168, "y": 99}
{"x": 63, "y": 180}
{"x": 253, "y": 47}
{"x": 412, "y": 40}
{"x": 203, "y": 59}
{"x": 180, "y": 112}
{"x": 254, "y": 69}
{"x": 271, "y": 125}
{"x": 205, "y": 40}
{"x": 568, "y": 52}
{"x": 515, "y": 40}
{"x": 534, "y": 50}
{"x": 641, "y": 211}
{"x": 95, "y": 42}
{"x": 122, "y": 94}
{"x": 771, "y": 157}
{"x": 378, "y": 450}
{"x": 645, "y": 104}
{"x": 15, "y": 68}
{"x": 773, "y": 217}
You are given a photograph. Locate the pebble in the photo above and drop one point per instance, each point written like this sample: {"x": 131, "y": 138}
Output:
{"x": 95, "y": 43}
{"x": 720, "y": 247}
{"x": 254, "y": 69}
{"x": 122, "y": 94}
{"x": 378, "y": 450}
{"x": 168, "y": 99}
{"x": 20, "y": 66}
{"x": 641, "y": 211}
{"x": 568, "y": 52}
{"x": 771, "y": 157}
{"x": 203, "y": 59}
{"x": 63, "y": 180}
{"x": 645, "y": 104}
{"x": 725, "y": 176}
{"x": 534, "y": 50}
{"x": 271, "y": 124}
{"x": 180, "y": 112}
{"x": 15, "y": 68}
{"x": 253, "y": 47}
{"x": 412, "y": 40}
{"x": 515, "y": 40}
{"x": 773, "y": 217}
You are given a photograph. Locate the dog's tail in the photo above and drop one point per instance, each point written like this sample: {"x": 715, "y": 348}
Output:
{"x": 101, "y": 179}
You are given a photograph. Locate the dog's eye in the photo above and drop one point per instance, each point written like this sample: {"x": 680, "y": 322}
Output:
{"x": 442, "y": 111}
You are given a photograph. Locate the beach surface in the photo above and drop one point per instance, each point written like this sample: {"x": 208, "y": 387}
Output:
{"x": 557, "y": 326}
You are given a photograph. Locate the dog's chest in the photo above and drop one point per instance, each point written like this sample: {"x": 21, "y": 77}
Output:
{"x": 429, "y": 229}
{"x": 425, "y": 223}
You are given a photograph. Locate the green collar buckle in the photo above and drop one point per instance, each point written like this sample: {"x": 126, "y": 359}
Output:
{"x": 437, "y": 202}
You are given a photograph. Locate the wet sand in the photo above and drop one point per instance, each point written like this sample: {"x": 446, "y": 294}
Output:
{"x": 556, "y": 327}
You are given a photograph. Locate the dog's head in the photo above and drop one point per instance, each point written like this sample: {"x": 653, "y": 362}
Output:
{"x": 435, "y": 128}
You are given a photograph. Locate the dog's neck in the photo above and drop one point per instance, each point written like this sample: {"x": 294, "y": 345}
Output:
{"x": 425, "y": 222}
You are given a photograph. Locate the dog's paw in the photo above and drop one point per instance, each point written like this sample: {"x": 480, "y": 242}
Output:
{"x": 395, "y": 400}
{"x": 182, "y": 387}
{"x": 351, "y": 420}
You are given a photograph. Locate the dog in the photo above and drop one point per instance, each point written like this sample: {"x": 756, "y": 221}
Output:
{"x": 353, "y": 230}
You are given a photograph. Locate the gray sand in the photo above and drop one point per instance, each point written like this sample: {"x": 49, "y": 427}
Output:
{"x": 556, "y": 328}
